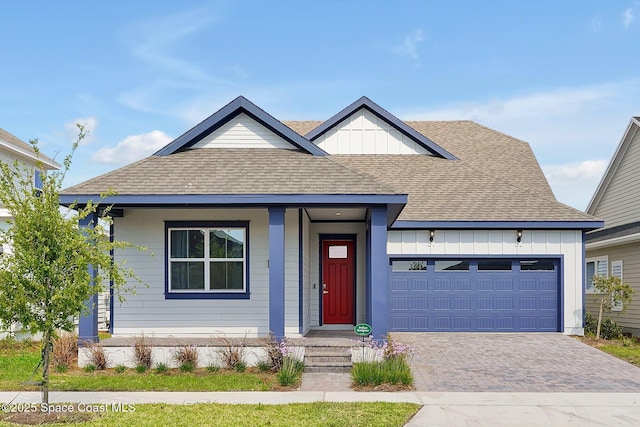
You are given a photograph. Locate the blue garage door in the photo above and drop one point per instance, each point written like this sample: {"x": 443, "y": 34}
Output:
{"x": 489, "y": 295}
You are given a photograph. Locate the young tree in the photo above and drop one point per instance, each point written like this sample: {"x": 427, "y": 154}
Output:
{"x": 45, "y": 279}
{"x": 611, "y": 291}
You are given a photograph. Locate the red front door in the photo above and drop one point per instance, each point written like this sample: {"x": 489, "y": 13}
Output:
{"x": 338, "y": 281}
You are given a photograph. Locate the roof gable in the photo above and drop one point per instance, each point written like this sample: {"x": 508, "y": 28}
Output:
{"x": 236, "y": 107}
{"x": 394, "y": 123}
{"x": 243, "y": 132}
{"x": 618, "y": 189}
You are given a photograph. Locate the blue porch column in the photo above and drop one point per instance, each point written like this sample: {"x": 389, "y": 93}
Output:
{"x": 88, "y": 327}
{"x": 377, "y": 292}
{"x": 276, "y": 271}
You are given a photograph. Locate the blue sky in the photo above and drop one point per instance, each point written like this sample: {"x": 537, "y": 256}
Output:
{"x": 563, "y": 76}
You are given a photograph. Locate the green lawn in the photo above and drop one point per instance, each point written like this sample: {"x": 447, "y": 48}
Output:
{"x": 298, "y": 414}
{"x": 17, "y": 362}
{"x": 627, "y": 349}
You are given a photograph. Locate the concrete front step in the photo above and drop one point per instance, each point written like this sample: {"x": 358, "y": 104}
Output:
{"x": 327, "y": 359}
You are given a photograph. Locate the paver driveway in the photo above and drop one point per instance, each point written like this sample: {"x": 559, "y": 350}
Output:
{"x": 535, "y": 362}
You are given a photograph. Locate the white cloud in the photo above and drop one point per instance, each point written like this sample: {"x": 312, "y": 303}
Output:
{"x": 132, "y": 148}
{"x": 409, "y": 46}
{"x": 627, "y": 17}
{"x": 575, "y": 183}
{"x": 90, "y": 124}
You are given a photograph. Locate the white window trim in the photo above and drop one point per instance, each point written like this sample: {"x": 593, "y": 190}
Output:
{"x": 207, "y": 260}
{"x": 617, "y": 305}
{"x": 602, "y": 259}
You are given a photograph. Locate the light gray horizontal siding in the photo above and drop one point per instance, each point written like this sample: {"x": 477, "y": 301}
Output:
{"x": 620, "y": 203}
{"x": 630, "y": 256}
{"x": 148, "y": 311}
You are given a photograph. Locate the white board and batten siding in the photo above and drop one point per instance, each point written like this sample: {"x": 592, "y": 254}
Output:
{"x": 365, "y": 133}
{"x": 243, "y": 132}
{"x": 620, "y": 203}
{"x": 470, "y": 243}
{"x": 147, "y": 311}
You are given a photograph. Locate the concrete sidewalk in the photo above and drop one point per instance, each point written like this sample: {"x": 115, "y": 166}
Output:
{"x": 439, "y": 409}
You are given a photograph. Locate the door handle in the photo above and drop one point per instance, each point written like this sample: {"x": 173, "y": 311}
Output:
{"x": 324, "y": 289}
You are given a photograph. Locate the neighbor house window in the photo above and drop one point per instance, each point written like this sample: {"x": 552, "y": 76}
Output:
{"x": 595, "y": 267}
{"x": 207, "y": 258}
{"x": 616, "y": 271}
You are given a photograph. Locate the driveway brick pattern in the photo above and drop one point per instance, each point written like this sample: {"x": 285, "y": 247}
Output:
{"x": 500, "y": 362}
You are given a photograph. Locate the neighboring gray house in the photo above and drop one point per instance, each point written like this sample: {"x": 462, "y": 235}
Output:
{"x": 12, "y": 149}
{"x": 615, "y": 249}
{"x": 259, "y": 225}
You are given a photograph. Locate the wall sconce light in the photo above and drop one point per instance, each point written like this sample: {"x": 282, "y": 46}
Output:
{"x": 519, "y": 236}
{"x": 431, "y": 234}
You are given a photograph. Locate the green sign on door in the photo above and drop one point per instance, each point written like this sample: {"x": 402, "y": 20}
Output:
{"x": 362, "y": 329}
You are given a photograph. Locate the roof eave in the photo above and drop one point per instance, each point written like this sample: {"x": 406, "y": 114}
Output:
{"x": 622, "y": 240}
{"x": 401, "y": 126}
{"x": 495, "y": 225}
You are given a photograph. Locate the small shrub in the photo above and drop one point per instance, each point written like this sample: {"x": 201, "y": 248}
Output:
{"x": 161, "y": 368}
{"x": 97, "y": 356}
{"x": 65, "y": 351}
{"x": 61, "y": 369}
{"x": 186, "y": 355}
{"x": 240, "y": 367}
{"x": 141, "y": 369}
{"x": 590, "y": 324}
{"x": 120, "y": 369}
{"x": 610, "y": 329}
{"x": 142, "y": 352}
{"x": 187, "y": 367}
{"x": 290, "y": 371}
{"x": 212, "y": 368}
{"x": 292, "y": 364}
{"x": 274, "y": 354}
{"x": 90, "y": 368}
{"x": 367, "y": 373}
{"x": 263, "y": 366}
{"x": 232, "y": 353}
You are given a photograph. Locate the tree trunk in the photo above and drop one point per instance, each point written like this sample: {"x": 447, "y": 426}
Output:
{"x": 46, "y": 351}
{"x": 599, "y": 320}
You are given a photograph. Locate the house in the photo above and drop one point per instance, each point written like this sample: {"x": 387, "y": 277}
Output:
{"x": 13, "y": 149}
{"x": 615, "y": 249}
{"x": 258, "y": 225}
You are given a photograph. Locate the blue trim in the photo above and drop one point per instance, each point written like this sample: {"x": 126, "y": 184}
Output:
{"x": 378, "y": 294}
{"x": 111, "y": 290}
{"x": 300, "y": 275}
{"x": 197, "y": 200}
{"x": 276, "y": 271}
{"x": 37, "y": 180}
{"x": 346, "y": 237}
{"x": 206, "y": 294}
{"x": 88, "y": 322}
{"x": 368, "y": 274}
{"x": 492, "y": 225}
{"x": 401, "y": 126}
{"x": 228, "y": 112}
{"x": 584, "y": 277}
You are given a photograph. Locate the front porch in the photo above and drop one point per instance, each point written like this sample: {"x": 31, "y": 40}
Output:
{"x": 283, "y": 290}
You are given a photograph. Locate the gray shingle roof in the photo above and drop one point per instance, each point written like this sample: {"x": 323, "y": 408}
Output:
{"x": 497, "y": 177}
{"x": 21, "y": 145}
{"x": 233, "y": 171}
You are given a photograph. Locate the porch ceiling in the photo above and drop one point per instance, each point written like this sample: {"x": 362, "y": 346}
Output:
{"x": 337, "y": 214}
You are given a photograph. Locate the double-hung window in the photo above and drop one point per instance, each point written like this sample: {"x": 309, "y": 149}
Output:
{"x": 595, "y": 267}
{"x": 616, "y": 271}
{"x": 207, "y": 260}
